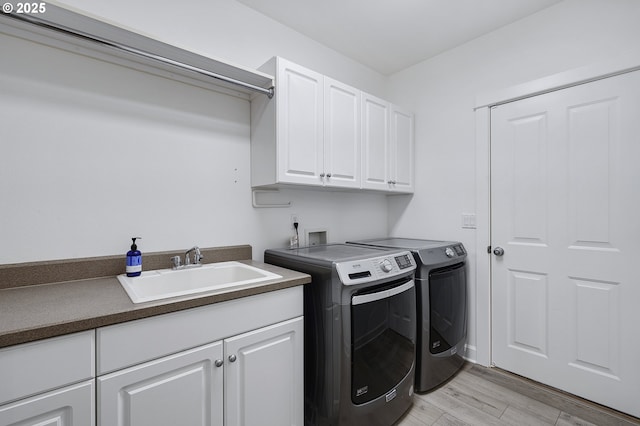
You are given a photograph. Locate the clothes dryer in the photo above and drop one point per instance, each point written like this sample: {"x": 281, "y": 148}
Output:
{"x": 441, "y": 295}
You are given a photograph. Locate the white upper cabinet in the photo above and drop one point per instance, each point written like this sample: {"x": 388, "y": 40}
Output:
{"x": 321, "y": 132}
{"x": 387, "y": 146}
{"x": 401, "y": 167}
{"x": 375, "y": 143}
{"x": 308, "y": 133}
{"x": 341, "y": 134}
{"x": 299, "y": 124}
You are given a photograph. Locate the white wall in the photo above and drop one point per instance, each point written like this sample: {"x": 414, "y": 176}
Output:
{"x": 93, "y": 153}
{"x": 442, "y": 93}
{"x": 230, "y": 31}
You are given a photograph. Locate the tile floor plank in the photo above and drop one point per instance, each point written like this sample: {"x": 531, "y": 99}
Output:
{"x": 562, "y": 401}
{"x": 475, "y": 398}
{"x": 566, "y": 419}
{"x": 448, "y": 420}
{"x": 515, "y": 416}
{"x": 460, "y": 410}
{"x": 422, "y": 413}
{"x": 479, "y": 396}
{"x": 521, "y": 402}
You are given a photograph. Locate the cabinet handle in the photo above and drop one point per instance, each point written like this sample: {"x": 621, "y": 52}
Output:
{"x": 232, "y": 358}
{"x": 219, "y": 363}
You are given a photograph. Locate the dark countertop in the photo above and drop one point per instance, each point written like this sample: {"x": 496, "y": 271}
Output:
{"x": 36, "y": 312}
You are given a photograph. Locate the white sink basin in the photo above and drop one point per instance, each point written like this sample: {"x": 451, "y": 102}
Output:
{"x": 218, "y": 277}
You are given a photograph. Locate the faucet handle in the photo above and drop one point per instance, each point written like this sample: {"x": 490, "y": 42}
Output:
{"x": 175, "y": 262}
{"x": 197, "y": 257}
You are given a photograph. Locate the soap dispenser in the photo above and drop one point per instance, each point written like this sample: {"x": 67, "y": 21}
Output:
{"x": 134, "y": 260}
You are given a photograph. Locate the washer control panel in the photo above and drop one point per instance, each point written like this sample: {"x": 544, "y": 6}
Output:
{"x": 354, "y": 272}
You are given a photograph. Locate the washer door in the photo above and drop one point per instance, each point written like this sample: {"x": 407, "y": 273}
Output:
{"x": 383, "y": 330}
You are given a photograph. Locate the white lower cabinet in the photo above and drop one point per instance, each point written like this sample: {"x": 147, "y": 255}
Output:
{"x": 235, "y": 363}
{"x": 68, "y": 406}
{"x": 256, "y": 377}
{"x": 49, "y": 382}
{"x": 181, "y": 389}
{"x": 264, "y": 382}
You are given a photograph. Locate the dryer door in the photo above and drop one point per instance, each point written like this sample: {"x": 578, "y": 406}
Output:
{"x": 447, "y": 307}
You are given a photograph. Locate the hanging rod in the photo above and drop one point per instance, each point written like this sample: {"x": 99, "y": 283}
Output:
{"x": 42, "y": 23}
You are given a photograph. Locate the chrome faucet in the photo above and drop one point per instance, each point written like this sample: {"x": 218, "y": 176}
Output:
{"x": 197, "y": 257}
{"x": 176, "y": 263}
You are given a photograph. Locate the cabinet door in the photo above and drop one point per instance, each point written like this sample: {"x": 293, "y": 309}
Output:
{"x": 68, "y": 406}
{"x": 299, "y": 129}
{"x": 181, "y": 389}
{"x": 341, "y": 134}
{"x": 401, "y": 155}
{"x": 264, "y": 376}
{"x": 375, "y": 143}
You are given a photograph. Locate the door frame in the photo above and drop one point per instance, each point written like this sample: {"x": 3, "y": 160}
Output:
{"x": 484, "y": 103}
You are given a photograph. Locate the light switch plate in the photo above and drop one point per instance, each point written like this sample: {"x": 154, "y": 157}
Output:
{"x": 469, "y": 220}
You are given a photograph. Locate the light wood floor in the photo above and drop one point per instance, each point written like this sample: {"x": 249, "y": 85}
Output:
{"x": 489, "y": 396}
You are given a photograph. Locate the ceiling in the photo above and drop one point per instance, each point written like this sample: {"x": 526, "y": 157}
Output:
{"x": 391, "y": 35}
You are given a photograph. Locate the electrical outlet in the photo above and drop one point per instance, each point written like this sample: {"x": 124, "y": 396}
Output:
{"x": 295, "y": 218}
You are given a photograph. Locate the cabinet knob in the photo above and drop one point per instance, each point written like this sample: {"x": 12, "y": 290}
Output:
{"x": 328, "y": 175}
{"x": 218, "y": 363}
{"x": 232, "y": 358}
{"x": 322, "y": 175}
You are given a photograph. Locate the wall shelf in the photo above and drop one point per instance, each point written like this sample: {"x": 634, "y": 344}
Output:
{"x": 74, "y": 31}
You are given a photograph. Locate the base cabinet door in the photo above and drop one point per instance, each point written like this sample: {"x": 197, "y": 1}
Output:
{"x": 181, "y": 389}
{"x": 264, "y": 376}
{"x": 68, "y": 406}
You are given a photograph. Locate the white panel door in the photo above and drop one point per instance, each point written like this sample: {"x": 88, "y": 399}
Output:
{"x": 341, "y": 134}
{"x": 375, "y": 143}
{"x": 299, "y": 124}
{"x": 181, "y": 389}
{"x": 565, "y": 196}
{"x": 264, "y": 376}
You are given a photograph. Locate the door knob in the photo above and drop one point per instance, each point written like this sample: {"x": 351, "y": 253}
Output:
{"x": 498, "y": 251}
